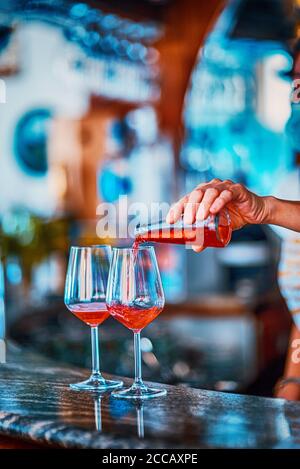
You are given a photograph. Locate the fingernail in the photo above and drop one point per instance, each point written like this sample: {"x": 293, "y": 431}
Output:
{"x": 197, "y": 249}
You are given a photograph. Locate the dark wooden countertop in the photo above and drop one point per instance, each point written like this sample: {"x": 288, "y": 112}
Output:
{"x": 37, "y": 406}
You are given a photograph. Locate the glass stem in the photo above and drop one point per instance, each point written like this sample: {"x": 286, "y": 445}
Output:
{"x": 140, "y": 421}
{"x": 98, "y": 417}
{"x": 95, "y": 351}
{"x": 137, "y": 359}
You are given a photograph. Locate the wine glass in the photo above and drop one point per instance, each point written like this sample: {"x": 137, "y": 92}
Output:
{"x": 135, "y": 297}
{"x": 85, "y": 290}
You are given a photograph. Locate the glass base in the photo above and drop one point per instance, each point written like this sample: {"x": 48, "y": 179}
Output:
{"x": 139, "y": 393}
{"x": 96, "y": 383}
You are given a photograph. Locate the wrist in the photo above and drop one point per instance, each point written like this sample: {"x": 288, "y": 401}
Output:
{"x": 270, "y": 204}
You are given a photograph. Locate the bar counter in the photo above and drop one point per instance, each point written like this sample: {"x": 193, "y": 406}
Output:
{"x": 37, "y": 407}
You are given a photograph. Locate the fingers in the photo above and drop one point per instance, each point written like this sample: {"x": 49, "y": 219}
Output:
{"x": 180, "y": 207}
{"x": 205, "y": 199}
{"x": 239, "y": 192}
{"x": 190, "y": 208}
{"x": 208, "y": 199}
{"x": 177, "y": 210}
{"x": 224, "y": 197}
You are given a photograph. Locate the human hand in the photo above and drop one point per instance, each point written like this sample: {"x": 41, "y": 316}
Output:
{"x": 209, "y": 198}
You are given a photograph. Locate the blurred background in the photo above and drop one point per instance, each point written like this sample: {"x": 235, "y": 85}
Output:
{"x": 108, "y": 101}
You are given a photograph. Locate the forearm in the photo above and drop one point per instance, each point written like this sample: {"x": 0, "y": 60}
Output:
{"x": 284, "y": 213}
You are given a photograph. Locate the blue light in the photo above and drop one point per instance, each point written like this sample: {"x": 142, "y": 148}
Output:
{"x": 14, "y": 273}
{"x": 79, "y": 10}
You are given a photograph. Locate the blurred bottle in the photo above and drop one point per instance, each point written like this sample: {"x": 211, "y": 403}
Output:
{"x": 220, "y": 94}
{"x": 113, "y": 174}
{"x": 151, "y": 161}
{"x": 153, "y": 174}
{"x": 114, "y": 181}
{"x": 232, "y": 121}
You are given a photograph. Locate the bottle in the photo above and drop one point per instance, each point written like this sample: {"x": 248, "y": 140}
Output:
{"x": 151, "y": 155}
{"x": 214, "y": 231}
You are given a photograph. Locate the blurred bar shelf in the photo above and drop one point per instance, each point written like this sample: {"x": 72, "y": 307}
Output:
{"x": 38, "y": 407}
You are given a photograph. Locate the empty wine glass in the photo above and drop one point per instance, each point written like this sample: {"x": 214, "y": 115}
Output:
{"x": 135, "y": 298}
{"x": 85, "y": 291}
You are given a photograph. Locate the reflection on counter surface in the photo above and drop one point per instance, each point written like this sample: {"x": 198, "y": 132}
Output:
{"x": 109, "y": 113}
